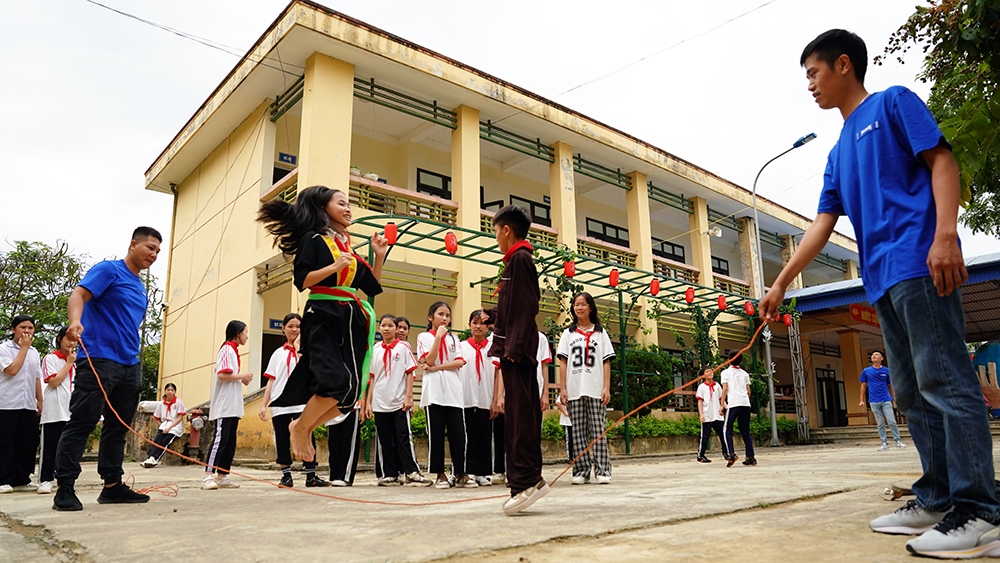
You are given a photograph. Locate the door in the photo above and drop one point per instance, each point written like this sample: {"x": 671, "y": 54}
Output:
{"x": 831, "y": 398}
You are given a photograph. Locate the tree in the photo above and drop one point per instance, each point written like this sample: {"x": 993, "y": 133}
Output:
{"x": 961, "y": 40}
{"x": 149, "y": 342}
{"x": 36, "y": 279}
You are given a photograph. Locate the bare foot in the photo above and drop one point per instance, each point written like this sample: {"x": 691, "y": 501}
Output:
{"x": 301, "y": 444}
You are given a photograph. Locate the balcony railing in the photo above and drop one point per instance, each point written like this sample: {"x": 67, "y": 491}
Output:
{"x": 383, "y": 198}
{"x": 600, "y": 250}
{"x": 732, "y": 285}
{"x": 285, "y": 188}
{"x": 274, "y": 275}
{"x": 675, "y": 270}
{"x": 538, "y": 235}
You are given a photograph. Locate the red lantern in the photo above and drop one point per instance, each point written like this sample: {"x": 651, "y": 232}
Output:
{"x": 748, "y": 307}
{"x": 787, "y": 319}
{"x": 391, "y": 233}
{"x": 613, "y": 278}
{"x": 569, "y": 268}
{"x": 689, "y": 295}
{"x": 722, "y": 302}
{"x": 451, "y": 243}
{"x": 654, "y": 287}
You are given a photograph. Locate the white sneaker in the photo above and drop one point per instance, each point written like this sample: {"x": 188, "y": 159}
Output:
{"x": 209, "y": 484}
{"x": 604, "y": 479}
{"x": 388, "y": 482}
{"x": 6, "y": 489}
{"x": 227, "y": 483}
{"x": 498, "y": 478}
{"x": 45, "y": 488}
{"x": 883, "y": 447}
{"x": 580, "y": 480}
{"x": 29, "y": 488}
{"x": 958, "y": 536}
{"x": 150, "y": 462}
{"x": 900, "y": 445}
{"x": 909, "y": 519}
{"x": 466, "y": 482}
{"x": 525, "y": 498}
{"x": 483, "y": 481}
{"x": 338, "y": 483}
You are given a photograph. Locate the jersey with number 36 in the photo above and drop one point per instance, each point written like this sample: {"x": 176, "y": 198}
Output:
{"x": 584, "y": 354}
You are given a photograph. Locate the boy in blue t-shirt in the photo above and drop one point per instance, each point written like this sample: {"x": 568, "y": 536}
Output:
{"x": 892, "y": 173}
{"x": 876, "y": 386}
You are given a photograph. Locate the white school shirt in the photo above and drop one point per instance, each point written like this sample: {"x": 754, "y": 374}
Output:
{"x": 227, "y": 396}
{"x": 543, "y": 357}
{"x": 55, "y": 400}
{"x": 710, "y": 394}
{"x": 167, "y": 414}
{"x": 391, "y": 366}
{"x": 442, "y": 388}
{"x": 738, "y": 381}
{"x": 18, "y": 392}
{"x": 584, "y": 368}
{"x": 282, "y": 362}
{"x": 478, "y": 374}
{"x": 564, "y": 420}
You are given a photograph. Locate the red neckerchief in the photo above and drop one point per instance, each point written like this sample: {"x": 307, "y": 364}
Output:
{"x": 442, "y": 348}
{"x": 387, "y": 357}
{"x": 291, "y": 354}
{"x": 478, "y": 347}
{"x": 72, "y": 369}
{"x": 236, "y": 350}
{"x": 345, "y": 245}
{"x": 59, "y": 355}
{"x": 711, "y": 387}
{"x": 167, "y": 405}
{"x": 510, "y": 251}
{"x": 586, "y": 335}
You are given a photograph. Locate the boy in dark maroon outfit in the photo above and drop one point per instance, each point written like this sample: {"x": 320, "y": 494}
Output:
{"x": 515, "y": 342}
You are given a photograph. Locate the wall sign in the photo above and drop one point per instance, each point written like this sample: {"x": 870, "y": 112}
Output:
{"x": 864, "y": 314}
{"x": 287, "y": 158}
{"x": 274, "y": 324}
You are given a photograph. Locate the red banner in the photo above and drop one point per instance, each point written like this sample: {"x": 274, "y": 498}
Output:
{"x": 864, "y": 314}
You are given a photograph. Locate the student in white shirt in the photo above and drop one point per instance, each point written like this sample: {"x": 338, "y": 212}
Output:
{"x": 58, "y": 371}
{"x": 585, "y": 354}
{"x": 280, "y": 366}
{"x": 226, "y": 408}
{"x": 709, "y": 395}
{"x": 442, "y": 397}
{"x": 478, "y": 375}
{"x": 389, "y": 400}
{"x": 20, "y": 406}
{"x": 736, "y": 398}
{"x": 170, "y": 412}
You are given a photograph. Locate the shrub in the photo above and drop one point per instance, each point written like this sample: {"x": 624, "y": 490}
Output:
{"x": 418, "y": 423}
{"x": 552, "y": 430}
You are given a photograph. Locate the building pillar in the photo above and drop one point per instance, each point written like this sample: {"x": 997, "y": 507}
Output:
{"x": 327, "y": 115}
{"x": 790, "y": 244}
{"x": 852, "y": 270}
{"x": 749, "y": 257}
{"x": 641, "y": 241}
{"x": 812, "y": 401}
{"x": 853, "y": 362}
{"x": 562, "y": 192}
{"x": 465, "y": 192}
{"x": 701, "y": 242}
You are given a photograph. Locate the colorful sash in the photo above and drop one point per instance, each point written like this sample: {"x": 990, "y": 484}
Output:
{"x": 345, "y": 277}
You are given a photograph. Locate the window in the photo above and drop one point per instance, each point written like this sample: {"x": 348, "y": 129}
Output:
{"x": 539, "y": 211}
{"x": 434, "y": 184}
{"x": 280, "y": 171}
{"x": 607, "y": 232}
{"x": 720, "y": 266}
{"x": 492, "y": 206}
{"x": 668, "y": 250}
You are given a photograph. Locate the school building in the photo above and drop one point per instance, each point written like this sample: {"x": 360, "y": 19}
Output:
{"x": 436, "y": 146}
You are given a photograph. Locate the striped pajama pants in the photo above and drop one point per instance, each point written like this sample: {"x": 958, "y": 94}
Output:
{"x": 589, "y": 419}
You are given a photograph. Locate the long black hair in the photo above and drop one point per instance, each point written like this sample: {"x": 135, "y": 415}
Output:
{"x": 60, "y": 335}
{"x": 288, "y": 222}
{"x": 593, "y": 312}
{"x": 234, "y": 328}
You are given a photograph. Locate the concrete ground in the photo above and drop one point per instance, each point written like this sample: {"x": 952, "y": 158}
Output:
{"x": 800, "y": 503}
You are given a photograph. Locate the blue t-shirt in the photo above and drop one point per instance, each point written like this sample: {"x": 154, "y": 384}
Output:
{"x": 878, "y": 384}
{"x": 112, "y": 317}
{"x": 875, "y": 176}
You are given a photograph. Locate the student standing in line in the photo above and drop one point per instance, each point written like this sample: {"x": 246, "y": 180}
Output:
{"x": 20, "y": 405}
{"x": 390, "y": 399}
{"x": 403, "y": 329}
{"x": 876, "y": 387}
{"x": 280, "y": 366}
{"x": 170, "y": 413}
{"x": 442, "y": 396}
{"x": 736, "y": 402}
{"x": 58, "y": 371}
{"x": 709, "y": 395}
{"x": 478, "y": 376}
{"x": 226, "y": 408}
{"x": 585, "y": 353}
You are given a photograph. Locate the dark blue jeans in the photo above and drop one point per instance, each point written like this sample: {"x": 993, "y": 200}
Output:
{"x": 938, "y": 391}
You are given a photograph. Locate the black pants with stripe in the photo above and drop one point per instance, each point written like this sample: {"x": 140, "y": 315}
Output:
{"x": 479, "y": 450}
{"x": 345, "y": 445}
{"x": 523, "y": 425}
{"x": 162, "y": 442}
{"x": 706, "y": 434}
{"x": 223, "y": 447}
{"x": 51, "y": 431}
{"x": 283, "y": 441}
{"x": 394, "y": 454}
{"x": 18, "y": 440}
{"x": 740, "y": 415}
{"x": 440, "y": 421}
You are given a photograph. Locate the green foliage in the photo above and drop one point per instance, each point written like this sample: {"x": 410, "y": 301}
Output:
{"x": 321, "y": 432}
{"x": 551, "y": 429}
{"x": 961, "y": 39}
{"x": 418, "y": 422}
{"x": 150, "y": 360}
{"x": 149, "y": 341}
{"x": 562, "y": 289}
{"x": 650, "y": 374}
{"x": 36, "y": 279}
{"x": 94, "y": 436}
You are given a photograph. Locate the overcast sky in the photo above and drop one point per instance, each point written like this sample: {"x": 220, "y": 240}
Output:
{"x": 93, "y": 97}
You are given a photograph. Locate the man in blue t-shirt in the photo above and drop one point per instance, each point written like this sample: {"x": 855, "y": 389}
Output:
{"x": 105, "y": 311}
{"x": 892, "y": 173}
{"x": 875, "y": 382}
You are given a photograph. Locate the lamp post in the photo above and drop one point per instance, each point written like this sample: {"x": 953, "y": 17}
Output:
{"x": 760, "y": 265}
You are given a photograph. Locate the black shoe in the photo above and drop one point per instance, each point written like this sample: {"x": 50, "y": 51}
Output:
{"x": 120, "y": 494}
{"x": 749, "y": 461}
{"x": 704, "y": 459}
{"x": 732, "y": 460}
{"x": 65, "y": 499}
{"x": 317, "y": 481}
{"x": 286, "y": 481}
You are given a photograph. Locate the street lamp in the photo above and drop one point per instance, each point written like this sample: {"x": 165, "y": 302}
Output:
{"x": 760, "y": 265}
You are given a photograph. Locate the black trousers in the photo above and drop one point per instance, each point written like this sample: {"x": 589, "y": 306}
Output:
{"x": 345, "y": 445}
{"x": 223, "y": 447}
{"x": 18, "y": 441}
{"x": 523, "y": 425}
{"x": 86, "y": 405}
{"x": 706, "y": 435}
{"x": 451, "y": 421}
{"x": 51, "y": 431}
{"x": 394, "y": 452}
{"x": 283, "y": 441}
{"x": 499, "y": 457}
{"x": 162, "y": 442}
{"x": 742, "y": 416}
{"x": 479, "y": 449}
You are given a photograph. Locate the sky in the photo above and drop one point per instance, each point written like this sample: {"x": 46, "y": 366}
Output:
{"x": 93, "y": 97}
